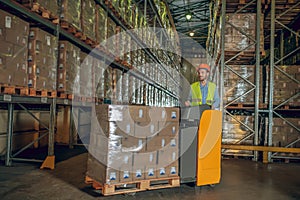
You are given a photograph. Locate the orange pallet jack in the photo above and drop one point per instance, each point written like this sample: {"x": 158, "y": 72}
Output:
{"x": 200, "y": 146}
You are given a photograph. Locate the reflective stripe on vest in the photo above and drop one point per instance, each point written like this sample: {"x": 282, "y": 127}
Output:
{"x": 197, "y": 95}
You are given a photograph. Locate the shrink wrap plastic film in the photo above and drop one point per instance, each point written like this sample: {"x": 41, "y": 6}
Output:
{"x": 13, "y": 50}
{"x": 71, "y": 12}
{"x": 133, "y": 140}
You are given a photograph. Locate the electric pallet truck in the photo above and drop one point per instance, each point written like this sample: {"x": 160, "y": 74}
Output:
{"x": 200, "y": 145}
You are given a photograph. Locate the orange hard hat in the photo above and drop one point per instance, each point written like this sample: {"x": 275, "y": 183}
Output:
{"x": 203, "y": 66}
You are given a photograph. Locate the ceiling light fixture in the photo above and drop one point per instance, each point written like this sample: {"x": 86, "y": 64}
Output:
{"x": 192, "y": 33}
{"x": 188, "y": 16}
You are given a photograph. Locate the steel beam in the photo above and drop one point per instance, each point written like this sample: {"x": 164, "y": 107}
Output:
{"x": 10, "y": 124}
{"x": 257, "y": 77}
{"x": 271, "y": 77}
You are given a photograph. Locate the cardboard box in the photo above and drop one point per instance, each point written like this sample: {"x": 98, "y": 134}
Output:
{"x": 137, "y": 113}
{"x": 126, "y": 174}
{"x": 173, "y": 114}
{"x": 150, "y": 172}
{"x": 170, "y": 129}
{"x": 101, "y": 173}
{"x": 145, "y": 129}
{"x": 167, "y": 156}
{"x": 138, "y": 173}
{"x": 144, "y": 159}
{"x": 161, "y": 142}
{"x": 173, "y": 169}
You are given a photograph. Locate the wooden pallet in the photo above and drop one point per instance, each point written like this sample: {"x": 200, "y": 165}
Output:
{"x": 134, "y": 186}
{"x": 64, "y": 95}
{"x": 42, "y": 93}
{"x": 19, "y": 90}
{"x": 45, "y": 13}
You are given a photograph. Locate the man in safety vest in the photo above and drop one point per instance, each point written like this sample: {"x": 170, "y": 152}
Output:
{"x": 203, "y": 91}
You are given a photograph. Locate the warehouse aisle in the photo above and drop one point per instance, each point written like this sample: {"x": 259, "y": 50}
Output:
{"x": 241, "y": 179}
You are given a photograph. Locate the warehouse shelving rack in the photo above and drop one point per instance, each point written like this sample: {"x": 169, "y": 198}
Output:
{"x": 275, "y": 20}
{"x": 9, "y": 101}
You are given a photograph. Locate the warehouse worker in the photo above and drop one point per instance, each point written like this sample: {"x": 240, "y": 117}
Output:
{"x": 203, "y": 91}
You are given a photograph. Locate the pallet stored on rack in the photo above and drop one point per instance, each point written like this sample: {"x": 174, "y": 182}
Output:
{"x": 19, "y": 90}
{"x": 134, "y": 186}
{"x": 42, "y": 92}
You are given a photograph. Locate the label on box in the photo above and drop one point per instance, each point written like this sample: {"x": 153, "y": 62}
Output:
{"x": 126, "y": 159}
{"x": 128, "y": 128}
{"x": 162, "y": 142}
{"x": 126, "y": 174}
{"x": 151, "y": 128}
{"x": 138, "y": 173}
{"x": 174, "y": 156}
{"x": 173, "y": 130}
{"x": 29, "y": 45}
{"x": 29, "y": 82}
{"x": 8, "y": 22}
{"x": 37, "y": 70}
{"x": 112, "y": 176}
{"x": 140, "y": 113}
{"x": 31, "y": 34}
{"x": 173, "y": 115}
{"x": 151, "y": 172}
{"x": 173, "y": 170}
{"x": 151, "y": 157}
{"x": 173, "y": 142}
{"x": 44, "y": 100}
{"x": 7, "y": 97}
{"x": 29, "y": 58}
{"x": 62, "y": 45}
{"x": 29, "y": 70}
{"x": 162, "y": 171}
{"x": 60, "y": 75}
{"x": 74, "y": 54}
{"x": 140, "y": 143}
{"x": 61, "y": 55}
{"x": 48, "y": 39}
{"x": 163, "y": 114}
{"x": 61, "y": 66}
{"x": 61, "y": 85}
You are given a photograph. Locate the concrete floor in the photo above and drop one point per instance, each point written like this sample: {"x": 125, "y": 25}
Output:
{"x": 241, "y": 179}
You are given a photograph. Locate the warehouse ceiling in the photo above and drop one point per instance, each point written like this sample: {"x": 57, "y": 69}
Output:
{"x": 198, "y": 24}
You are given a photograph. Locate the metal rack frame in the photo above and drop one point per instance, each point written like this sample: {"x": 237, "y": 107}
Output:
{"x": 272, "y": 110}
{"x": 52, "y": 103}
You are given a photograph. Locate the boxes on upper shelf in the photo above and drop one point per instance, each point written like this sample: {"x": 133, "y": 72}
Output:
{"x": 13, "y": 50}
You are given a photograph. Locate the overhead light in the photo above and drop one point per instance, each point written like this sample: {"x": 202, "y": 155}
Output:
{"x": 192, "y": 33}
{"x": 188, "y": 16}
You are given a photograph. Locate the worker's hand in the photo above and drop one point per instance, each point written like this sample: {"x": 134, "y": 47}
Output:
{"x": 187, "y": 103}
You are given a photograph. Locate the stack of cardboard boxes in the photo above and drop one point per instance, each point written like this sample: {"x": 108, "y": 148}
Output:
{"x": 237, "y": 40}
{"x": 133, "y": 143}
{"x": 68, "y": 67}
{"x": 88, "y": 15}
{"x": 283, "y": 133}
{"x": 13, "y": 50}
{"x": 86, "y": 75}
{"x": 236, "y": 86}
{"x": 71, "y": 12}
{"x": 50, "y": 5}
{"x": 285, "y": 87}
{"x": 42, "y": 60}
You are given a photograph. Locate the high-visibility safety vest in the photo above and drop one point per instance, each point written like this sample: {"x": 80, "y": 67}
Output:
{"x": 197, "y": 95}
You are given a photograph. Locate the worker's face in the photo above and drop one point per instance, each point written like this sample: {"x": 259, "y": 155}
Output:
{"x": 202, "y": 74}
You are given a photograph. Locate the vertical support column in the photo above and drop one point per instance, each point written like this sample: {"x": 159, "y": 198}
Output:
{"x": 52, "y": 121}
{"x": 10, "y": 124}
{"x": 49, "y": 162}
{"x": 271, "y": 76}
{"x": 71, "y": 130}
{"x": 223, "y": 18}
{"x": 281, "y": 46}
{"x": 257, "y": 77}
